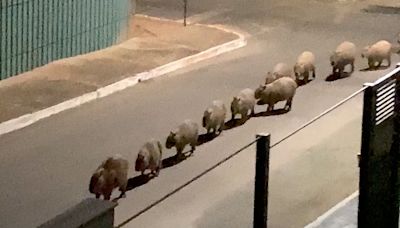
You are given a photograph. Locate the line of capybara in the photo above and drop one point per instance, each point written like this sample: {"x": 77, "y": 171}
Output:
{"x": 280, "y": 85}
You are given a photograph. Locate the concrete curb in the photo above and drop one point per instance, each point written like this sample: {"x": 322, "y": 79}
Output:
{"x": 28, "y": 119}
{"x": 322, "y": 218}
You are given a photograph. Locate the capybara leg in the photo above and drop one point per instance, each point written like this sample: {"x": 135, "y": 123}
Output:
{"x": 221, "y": 126}
{"x": 340, "y": 72}
{"x": 288, "y": 105}
{"x": 122, "y": 189}
{"x": 352, "y": 66}
{"x": 179, "y": 154}
{"x": 371, "y": 64}
{"x": 313, "y": 72}
{"x": 306, "y": 75}
{"x": 107, "y": 196}
{"x": 157, "y": 171}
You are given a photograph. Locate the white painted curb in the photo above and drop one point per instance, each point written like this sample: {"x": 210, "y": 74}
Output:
{"x": 323, "y": 217}
{"x": 28, "y": 119}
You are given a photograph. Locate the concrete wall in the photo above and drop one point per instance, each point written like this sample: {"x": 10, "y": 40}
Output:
{"x": 36, "y": 32}
{"x": 90, "y": 213}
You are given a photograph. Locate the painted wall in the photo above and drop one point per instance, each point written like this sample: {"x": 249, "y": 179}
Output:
{"x": 36, "y": 32}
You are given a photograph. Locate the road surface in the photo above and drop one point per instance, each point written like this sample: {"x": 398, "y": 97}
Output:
{"x": 46, "y": 166}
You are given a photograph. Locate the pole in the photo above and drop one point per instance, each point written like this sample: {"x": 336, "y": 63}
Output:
{"x": 261, "y": 182}
{"x": 184, "y": 12}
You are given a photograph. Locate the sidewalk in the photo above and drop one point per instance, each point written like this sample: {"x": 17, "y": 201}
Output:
{"x": 153, "y": 43}
{"x": 343, "y": 215}
{"x": 387, "y": 3}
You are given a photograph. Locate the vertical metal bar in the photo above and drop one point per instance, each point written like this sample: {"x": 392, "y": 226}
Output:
{"x": 97, "y": 25}
{"x": 70, "y": 28}
{"x": 25, "y": 35}
{"x": 12, "y": 40}
{"x": 66, "y": 34}
{"x": 3, "y": 27}
{"x": 9, "y": 38}
{"x": 31, "y": 29}
{"x": 52, "y": 31}
{"x": 113, "y": 26}
{"x": 184, "y": 12}
{"x": 102, "y": 24}
{"x": 78, "y": 26}
{"x": 48, "y": 26}
{"x": 367, "y": 131}
{"x": 83, "y": 26}
{"x": 59, "y": 8}
{"x": 261, "y": 182}
{"x": 42, "y": 35}
{"x": 18, "y": 36}
{"x": 106, "y": 22}
{"x": 73, "y": 28}
{"x": 1, "y": 38}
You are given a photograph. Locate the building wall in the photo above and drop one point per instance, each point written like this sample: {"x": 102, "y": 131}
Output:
{"x": 36, "y": 32}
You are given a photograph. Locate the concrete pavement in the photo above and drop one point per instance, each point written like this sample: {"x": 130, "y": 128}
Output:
{"x": 155, "y": 48}
{"x": 46, "y": 166}
{"x": 309, "y": 173}
{"x": 342, "y": 215}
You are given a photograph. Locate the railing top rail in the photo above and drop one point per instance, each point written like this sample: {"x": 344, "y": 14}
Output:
{"x": 381, "y": 81}
{"x": 320, "y": 115}
{"x": 388, "y": 77}
{"x": 195, "y": 178}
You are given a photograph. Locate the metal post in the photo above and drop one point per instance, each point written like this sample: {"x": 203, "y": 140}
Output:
{"x": 184, "y": 12}
{"x": 261, "y": 182}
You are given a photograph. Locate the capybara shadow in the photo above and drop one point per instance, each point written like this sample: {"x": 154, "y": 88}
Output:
{"x": 205, "y": 138}
{"x": 336, "y": 76}
{"x": 174, "y": 160}
{"x": 375, "y": 68}
{"x": 235, "y": 123}
{"x": 135, "y": 182}
{"x": 275, "y": 112}
{"x": 300, "y": 82}
{"x": 138, "y": 181}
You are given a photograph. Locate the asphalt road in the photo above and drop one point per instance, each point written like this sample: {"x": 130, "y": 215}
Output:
{"x": 46, "y": 166}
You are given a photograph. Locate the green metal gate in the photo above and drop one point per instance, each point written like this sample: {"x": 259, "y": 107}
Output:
{"x": 36, "y": 32}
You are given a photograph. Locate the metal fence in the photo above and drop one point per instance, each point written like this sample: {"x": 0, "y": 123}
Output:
{"x": 36, "y": 32}
{"x": 380, "y": 154}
